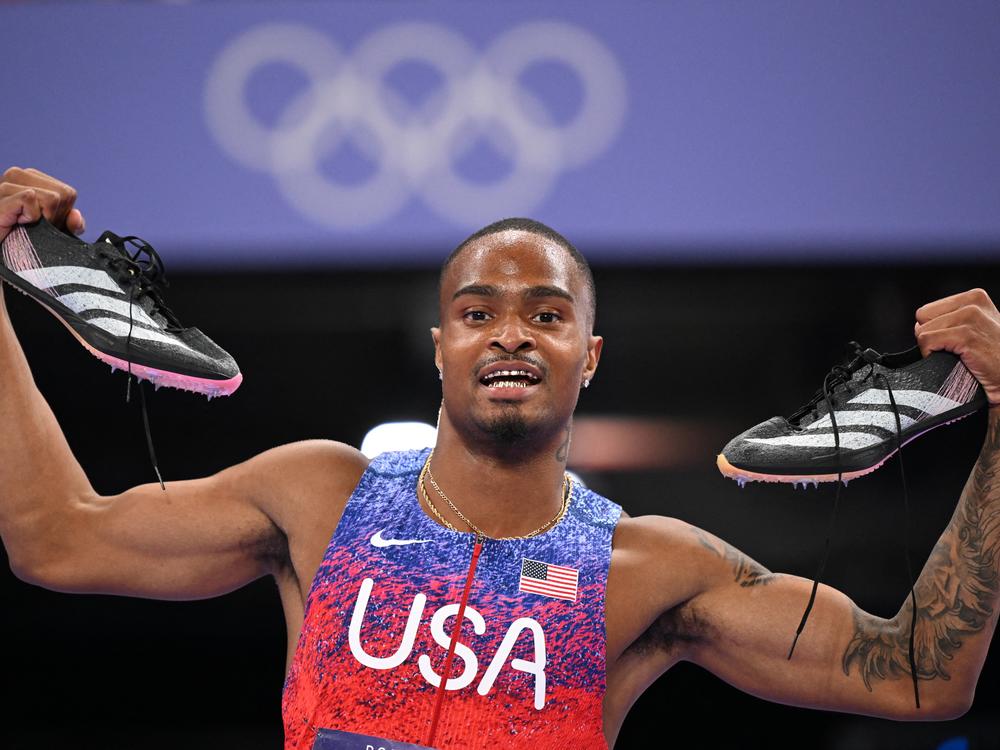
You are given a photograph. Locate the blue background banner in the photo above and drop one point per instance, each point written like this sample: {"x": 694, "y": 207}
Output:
{"x": 284, "y": 134}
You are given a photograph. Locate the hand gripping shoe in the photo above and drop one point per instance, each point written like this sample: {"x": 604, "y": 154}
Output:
{"x": 866, "y": 410}
{"x": 110, "y": 300}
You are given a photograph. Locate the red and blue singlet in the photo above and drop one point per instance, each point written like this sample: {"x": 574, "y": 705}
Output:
{"x": 528, "y": 669}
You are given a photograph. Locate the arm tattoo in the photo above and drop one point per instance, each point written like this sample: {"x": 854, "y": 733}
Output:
{"x": 746, "y": 571}
{"x": 956, "y": 592}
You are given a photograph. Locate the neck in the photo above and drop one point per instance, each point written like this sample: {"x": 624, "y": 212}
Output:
{"x": 503, "y": 492}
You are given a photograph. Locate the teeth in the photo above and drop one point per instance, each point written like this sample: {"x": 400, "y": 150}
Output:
{"x": 507, "y": 384}
{"x": 510, "y": 374}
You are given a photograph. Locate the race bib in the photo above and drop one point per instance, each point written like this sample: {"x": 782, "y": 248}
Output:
{"x": 334, "y": 739}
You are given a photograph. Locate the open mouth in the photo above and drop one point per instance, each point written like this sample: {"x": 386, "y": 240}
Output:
{"x": 509, "y": 379}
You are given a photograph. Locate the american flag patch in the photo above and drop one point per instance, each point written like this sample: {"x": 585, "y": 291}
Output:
{"x": 548, "y": 579}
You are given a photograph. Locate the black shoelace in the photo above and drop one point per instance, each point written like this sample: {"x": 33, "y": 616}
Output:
{"x": 843, "y": 374}
{"x": 144, "y": 277}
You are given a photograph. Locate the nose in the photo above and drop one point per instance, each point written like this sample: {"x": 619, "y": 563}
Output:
{"x": 512, "y": 335}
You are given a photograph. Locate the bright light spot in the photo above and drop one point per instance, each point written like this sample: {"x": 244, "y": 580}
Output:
{"x": 398, "y": 436}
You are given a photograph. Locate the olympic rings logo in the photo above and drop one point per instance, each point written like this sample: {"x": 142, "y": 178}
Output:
{"x": 415, "y": 148}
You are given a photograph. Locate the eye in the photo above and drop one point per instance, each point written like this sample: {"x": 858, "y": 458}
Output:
{"x": 547, "y": 317}
{"x": 476, "y": 316}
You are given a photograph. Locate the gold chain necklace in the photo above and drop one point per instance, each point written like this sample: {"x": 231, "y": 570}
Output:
{"x": 426, "y": 472}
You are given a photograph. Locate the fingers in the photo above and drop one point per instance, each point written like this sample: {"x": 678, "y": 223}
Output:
{"x": 22, "y": 207}
{"x": 48, "y": 201}
{"x": 974, "y": 297}
{"x": 970, "y": 315}
{"x": 56, "y": 198}
{"x": 955, "y": 339}
{"x": 956, "y": 331}
{"x": 75, "y": 222}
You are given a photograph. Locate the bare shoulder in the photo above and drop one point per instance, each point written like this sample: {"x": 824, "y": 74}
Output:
{"x": 303, "y": 488}
{"x": 659, "y": 566}
{"x": 295, "y": 482}
{"x": 646, "y": 539}
{"x": 656, "y": 547}
{"x": 653, "y": 548}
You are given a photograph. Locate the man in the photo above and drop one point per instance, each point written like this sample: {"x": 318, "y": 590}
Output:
{"x": 431, "y": 600}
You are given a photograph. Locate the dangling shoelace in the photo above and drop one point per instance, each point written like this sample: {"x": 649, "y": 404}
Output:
{"x": 144, "y": 277}
{"x": 906, "y": 538}
{"x": 842, "y": 374}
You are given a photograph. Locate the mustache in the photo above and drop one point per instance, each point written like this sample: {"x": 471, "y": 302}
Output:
{"x": 487, "y": 361}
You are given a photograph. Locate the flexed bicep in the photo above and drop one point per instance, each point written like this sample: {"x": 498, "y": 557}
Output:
{"x": 846, "y": 659}
{"x": 199, "y": 538}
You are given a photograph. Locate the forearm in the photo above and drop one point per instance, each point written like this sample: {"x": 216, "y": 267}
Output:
{"x": 38, "y": 472}
{"x": 957, "y": 598}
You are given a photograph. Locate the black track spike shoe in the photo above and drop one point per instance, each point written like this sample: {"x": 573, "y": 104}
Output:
{"x": 111, "y": 300}
{"x": 849, "y": 427}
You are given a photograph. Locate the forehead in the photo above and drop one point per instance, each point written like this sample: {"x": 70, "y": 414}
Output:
{"x": 510, "y": 259}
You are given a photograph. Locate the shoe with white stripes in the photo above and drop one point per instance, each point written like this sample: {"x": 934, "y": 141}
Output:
{"x": 110, "y": 300}
{"x": 867, "y": 409}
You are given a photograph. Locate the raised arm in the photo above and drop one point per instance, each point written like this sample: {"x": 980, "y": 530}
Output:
{"x": 199, "y": 538}
{"x": 740, "y": 620}
{"x": 847, "y": 659}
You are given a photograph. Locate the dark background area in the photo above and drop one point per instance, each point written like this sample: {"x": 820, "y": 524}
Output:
{"x": 330, "y": 355}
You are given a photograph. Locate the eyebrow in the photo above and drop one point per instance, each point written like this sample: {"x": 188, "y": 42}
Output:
{"x": 535, "y": 292}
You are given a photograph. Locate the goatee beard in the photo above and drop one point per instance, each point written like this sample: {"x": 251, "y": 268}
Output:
{"x": 510, "y": 428}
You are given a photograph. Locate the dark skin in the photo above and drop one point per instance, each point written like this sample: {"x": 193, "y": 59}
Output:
{"x": 674, "y": 592}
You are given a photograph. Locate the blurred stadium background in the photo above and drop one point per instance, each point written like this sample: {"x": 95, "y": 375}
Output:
{"x": 755, "y": 185}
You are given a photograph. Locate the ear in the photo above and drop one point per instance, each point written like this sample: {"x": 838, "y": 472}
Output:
{"x": 436, "y": 336}
{"x": 594, "y": 347}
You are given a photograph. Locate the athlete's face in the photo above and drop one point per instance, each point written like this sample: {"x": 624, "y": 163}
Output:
{"x": 514, "y": 301}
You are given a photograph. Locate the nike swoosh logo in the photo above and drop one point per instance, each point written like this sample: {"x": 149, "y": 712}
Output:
{"x": 378, "y": 541}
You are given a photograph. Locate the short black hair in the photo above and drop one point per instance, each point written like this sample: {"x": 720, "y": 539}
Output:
{"x": 521, "y": 224}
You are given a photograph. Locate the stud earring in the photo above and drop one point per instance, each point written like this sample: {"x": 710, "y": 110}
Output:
{"x": 586, "y": 383}
{"x": 440, "y": 375}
